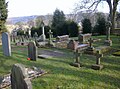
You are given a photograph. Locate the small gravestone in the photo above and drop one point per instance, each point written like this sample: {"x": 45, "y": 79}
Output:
{"x": 6, "y": 44}
{"x": 32, "y": 51}
{"x": 72, "y": 44}
{"x": 98, "y": 66}
{"x": 19, "y": 77}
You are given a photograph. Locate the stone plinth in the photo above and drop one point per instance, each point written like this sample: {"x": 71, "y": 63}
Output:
{"x": 97, "y": 67}
{"x": 75, "y": 64}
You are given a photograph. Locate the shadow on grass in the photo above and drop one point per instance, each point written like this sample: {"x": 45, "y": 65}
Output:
{"x": 85, "y": 75}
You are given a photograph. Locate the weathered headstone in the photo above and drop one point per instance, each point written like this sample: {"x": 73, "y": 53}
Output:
{"x": 72, "y": 44}
{"x": 43, "y": 37}
{"x": 83, "y": 38}
{"x": 79, "y": 50}
{"x": 108, "y": 42}
{"x": 62, "y": 38}
{"x": 32, "y": 51}
{"x": 6, "y": 44}
{"x": 98, "y": 66}
{"x": 19, "y": 77}
{"x": 50, "y": 36}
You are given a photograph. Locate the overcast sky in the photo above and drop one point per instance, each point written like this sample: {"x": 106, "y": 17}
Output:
{"x": 42, "y": 7}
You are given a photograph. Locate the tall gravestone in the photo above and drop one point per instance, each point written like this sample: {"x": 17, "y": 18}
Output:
{"x": 6, "y": 44}
{"x": 43, "y": 37}
{"x": 108, "y": 41}
{"x": 32, "y": 51}
{"x": 19, "y": 77}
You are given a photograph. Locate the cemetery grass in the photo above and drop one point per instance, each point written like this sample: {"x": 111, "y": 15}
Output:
{"x": 63, "y": 76}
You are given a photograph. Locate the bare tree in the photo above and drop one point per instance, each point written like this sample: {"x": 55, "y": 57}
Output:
{"x": 88, "y": 4}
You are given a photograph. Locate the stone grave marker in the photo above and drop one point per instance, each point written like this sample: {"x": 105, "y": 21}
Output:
{"x": 72, "y": 44}
{"x": 79, "y": 50}
{"x": 108, "y": 41}
{"x": 6, "y": 44}
{"x": 83, "y": 38}
{"x": 32, "y": 51}
{"x": 98, "y": 66}
{"x": 50, "y": 43}
{"x": 19, "y": 77}
{"x": 62, "y": 38}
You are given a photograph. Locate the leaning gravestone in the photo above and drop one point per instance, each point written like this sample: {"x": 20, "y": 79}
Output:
{"x": 32, "y": 51}
{"x": 6, "y": 44}
{"x": 19, "y": 77}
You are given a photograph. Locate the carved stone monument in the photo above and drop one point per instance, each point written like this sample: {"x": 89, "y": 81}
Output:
{"x": 108, "y": 42}
{"x": 43, "y": 37}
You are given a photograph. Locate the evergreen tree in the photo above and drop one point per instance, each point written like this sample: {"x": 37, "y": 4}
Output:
{"x": 3, "y": 15}
{"x": 86, "y": 25}
{"x": 72, "y": 29}
{"x": 100, "y": 26}
{"x": 58, "y": 22}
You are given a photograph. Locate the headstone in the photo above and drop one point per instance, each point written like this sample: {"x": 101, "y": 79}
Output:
{"x": 62, "y": 38}
{"x": 50, "y": 43}
{"x": 43, "y": 37}
{"x": 72, "y": 44}
{"x": 98, "y": 66}
{"x": 83, "y": 38}
{"x": 19, "y": 77}
{"x": 79, "y": 50}
{"x": 6, "y": 44}
{"x": 32, "y": 51}
{"x": 108, "y": 42}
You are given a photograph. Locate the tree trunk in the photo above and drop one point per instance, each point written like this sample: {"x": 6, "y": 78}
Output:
{"x": 115, "y": 3}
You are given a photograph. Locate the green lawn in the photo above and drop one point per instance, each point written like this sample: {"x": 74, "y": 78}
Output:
{"x": 61, "y": 74}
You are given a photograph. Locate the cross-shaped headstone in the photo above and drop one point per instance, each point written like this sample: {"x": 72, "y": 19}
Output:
{"x": 108, "y": 26}
{"x": 90, "y": 42}
{"x": 50, "y": 36}
{"x": 98, "y": 57}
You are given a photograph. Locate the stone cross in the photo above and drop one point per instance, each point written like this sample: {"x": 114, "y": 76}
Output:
{"x": 98, "y": 56}
{"x": 32, "y": 51}
{"x": 43, "y": 31}
{"x": 6, "y": 44}
{"x": 108, "y": 26}
{"x": 90, "y": 42}
{"x": 50, "y": 36}
{"x": 19, "y": 77}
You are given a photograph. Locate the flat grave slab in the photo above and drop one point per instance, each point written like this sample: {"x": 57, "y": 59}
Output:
{"x": 43, "y": 56}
